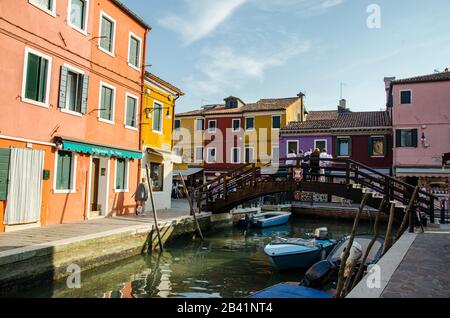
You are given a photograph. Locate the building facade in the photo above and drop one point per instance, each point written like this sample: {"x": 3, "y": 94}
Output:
{"x": 421, "y": 122}
{"x": 157, "y": 124}
{"x": 75, "y": 72}
{"x": 225, "y": 136}
{"x": 365, "y": 137}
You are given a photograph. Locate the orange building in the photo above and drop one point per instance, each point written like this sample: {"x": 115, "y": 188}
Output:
{"x": 72, "y": 77}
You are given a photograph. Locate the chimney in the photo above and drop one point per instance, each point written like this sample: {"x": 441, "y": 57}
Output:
{"x": 342, "y": 105}
{"x": 446, "y": 69}
{"x": 387, "y": 82}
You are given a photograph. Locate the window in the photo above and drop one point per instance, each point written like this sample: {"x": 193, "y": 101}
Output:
{"x": 405, "y": 97}
{"x": 134, "y": 51}
{"x": 406, "y": 138}
{"x": 121, "y": 181}
{"x": 292, "y": 147}
{"x": 343, "y": 147}
{"x": 212, "y": 125}
{"x": 131, "y": 111}
{"x": 249, "y": 155}
{"x": 177, "y": 124}
{"x": 107, "y": 102}
{"x": 231, "y": 103}
{"x": 157, "y": 176}
{"x": 157, "y": 117}
{"x": 78, "y": 10}
{"x": 235, "y": 155}
{"x": 275, "y": 154}
{"x": 276, "y": 122}
{"x": 65, "y": 172}
{"x": 250, "y": 123}
{"x": 49, "y": 6}
{"x": 200, "y": 125}
{"x": 236, "y": 125}
{"x": 377, "y": 146}
{"x": 321, "y": 144}
{"x": 73, "y": 90}
{"x": 211, "y": 155}
{"x": 107, "y": 33}
{"x": 198, "y": 154}
{"x": 36, "y": 80}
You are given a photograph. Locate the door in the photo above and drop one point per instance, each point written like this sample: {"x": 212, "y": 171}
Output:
{"x": 95, "y": 210}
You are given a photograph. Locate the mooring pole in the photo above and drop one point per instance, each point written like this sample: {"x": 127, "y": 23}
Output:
{"x": 388, "y": 238}
{"x": 404, "y": 224}
{"x": 155, "y": 216}
{"x": 192, "y": 208}
{"x": 340, "y": 284}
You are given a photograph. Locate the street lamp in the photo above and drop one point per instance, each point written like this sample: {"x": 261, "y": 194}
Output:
{"x": 149, "y": 111}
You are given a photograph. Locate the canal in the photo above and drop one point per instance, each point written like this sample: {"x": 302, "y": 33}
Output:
{"x": 229, "y": 263}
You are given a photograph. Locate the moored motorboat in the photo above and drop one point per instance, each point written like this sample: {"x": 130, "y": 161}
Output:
{"x": 269, "y": 219}
{"x": 299, "y": 253}
{"x": 290, "y": 290}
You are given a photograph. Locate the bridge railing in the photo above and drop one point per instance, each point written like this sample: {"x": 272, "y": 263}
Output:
{"x": 329, "y": 170}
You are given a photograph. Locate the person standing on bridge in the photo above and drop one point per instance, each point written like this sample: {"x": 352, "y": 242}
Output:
{"x": 291, "y": 163}
{"x": 315, "y": 164}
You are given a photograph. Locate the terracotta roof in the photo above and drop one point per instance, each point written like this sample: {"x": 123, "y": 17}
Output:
{"x": 132, "y": 14}
{"x": 274, "y": 104}
{"x": 436, "y": 77}
{"x": 348, "y": 120}
{"x": 322, "y": 115}
{"x": 162, "y": 82}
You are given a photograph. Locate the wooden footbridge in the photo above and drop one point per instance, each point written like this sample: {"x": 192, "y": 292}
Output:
{"x": 340, "y": 177}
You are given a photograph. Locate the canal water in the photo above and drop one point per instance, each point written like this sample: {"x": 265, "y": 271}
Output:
{"x": 229, "y": 263}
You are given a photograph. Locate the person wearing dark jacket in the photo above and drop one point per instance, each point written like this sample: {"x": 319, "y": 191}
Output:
{"x": 141, "y": 196}
{"x": 315, "y": 164}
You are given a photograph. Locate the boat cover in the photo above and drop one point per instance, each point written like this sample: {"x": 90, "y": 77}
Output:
{"x": 284, "y": 290}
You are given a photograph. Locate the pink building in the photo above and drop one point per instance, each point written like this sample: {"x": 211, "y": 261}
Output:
{"x": 421, "y": 121}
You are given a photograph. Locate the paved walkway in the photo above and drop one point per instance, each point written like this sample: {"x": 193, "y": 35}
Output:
{"x": 423, "y": 273}
{"x": 53, "y": 233}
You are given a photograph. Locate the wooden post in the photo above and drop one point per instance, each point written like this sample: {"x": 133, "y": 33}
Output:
{"x": 347, "y": 173}
{"x": 155, "y": 216}
{"x": 225, "y": 187}
{"x": 388, "y": 239}
{"x": 254, "y": 175}
{"x": 356, "y": 174}
{"x": 371, "y": 244}
{"x": 407, "y": 213}
{"x": 199, "y": 200}
{"x": 340, "y": 283}
{"x": 192, "y": 208}
{"x": 431, "y": 210}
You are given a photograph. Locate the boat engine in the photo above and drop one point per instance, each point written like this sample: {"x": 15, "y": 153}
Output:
{"x": 319, "y": 274}
{"x": 321, "y": 233}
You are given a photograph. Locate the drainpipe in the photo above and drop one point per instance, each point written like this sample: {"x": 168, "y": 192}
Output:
{"x": 173, "y": 117}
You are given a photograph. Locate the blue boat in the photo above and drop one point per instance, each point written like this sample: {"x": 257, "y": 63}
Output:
{"x": 298, "y": 253}
{"x": 269, "y": 219}
{"x": 290, "y": 290}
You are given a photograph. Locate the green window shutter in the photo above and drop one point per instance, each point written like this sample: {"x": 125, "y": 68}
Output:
{"x": 63, "y": 87}
{"x": 64, "y": 171}
{"x": 106, "y": 112}
{"x": 120, "y": 174}
{"x": 84, "y": 94}
{"x": 370, "y": 146}
{"x": 31, "y": 86}
{"x": 131, "y": 112}
{"x": 42, "y": 80}
{"x": 398, "y": 138}
{"x": 4, "y": 172}
{"x": 415, "y": 138}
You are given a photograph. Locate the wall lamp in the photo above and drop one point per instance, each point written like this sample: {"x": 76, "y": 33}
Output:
{"x": 149, "y": 111}
{"x": 424, "y": 140}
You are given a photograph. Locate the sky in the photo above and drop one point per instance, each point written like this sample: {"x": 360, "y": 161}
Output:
{"x": 256, "y": 49}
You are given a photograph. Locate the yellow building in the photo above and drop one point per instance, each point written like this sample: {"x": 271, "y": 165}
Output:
{"x": 157, "y": 123}
{"x": 218, "y": 138}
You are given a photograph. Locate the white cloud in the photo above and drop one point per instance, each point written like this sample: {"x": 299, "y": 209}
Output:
{"x": 223, "y": 69}
{"x": 201, "y": 18}
{"x": 306, "y": 7}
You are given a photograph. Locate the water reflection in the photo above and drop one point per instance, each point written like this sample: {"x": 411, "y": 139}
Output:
{"x": 230, "y": 263}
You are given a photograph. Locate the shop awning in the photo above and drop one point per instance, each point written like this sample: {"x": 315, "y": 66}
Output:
{"x": 164, "y": 155}
{"x": 187, "y": 172}
{"x": 99, "y": 150}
